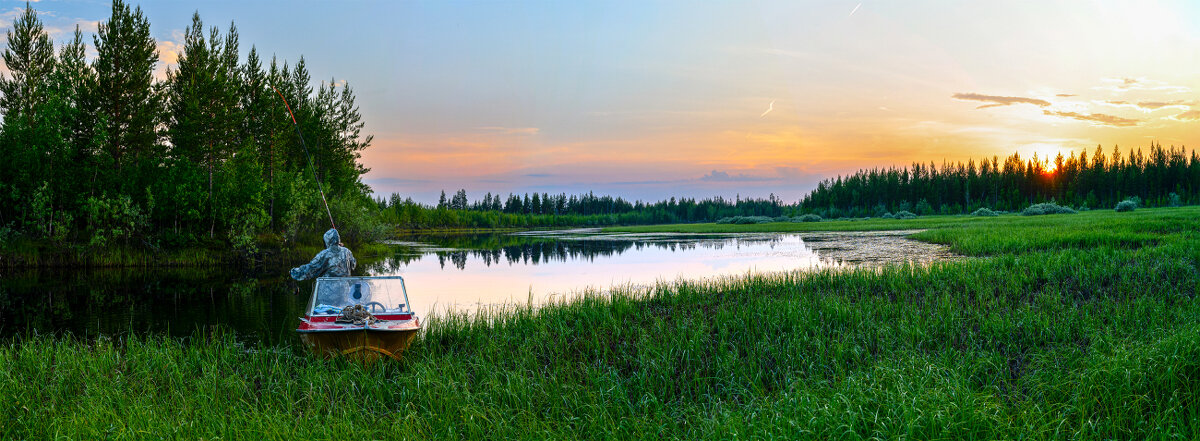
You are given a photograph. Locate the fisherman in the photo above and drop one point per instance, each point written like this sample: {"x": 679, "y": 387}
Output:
{"x": 334, "y": 261}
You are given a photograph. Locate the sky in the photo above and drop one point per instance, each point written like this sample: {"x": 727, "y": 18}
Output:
{"x": 649, "y": 100}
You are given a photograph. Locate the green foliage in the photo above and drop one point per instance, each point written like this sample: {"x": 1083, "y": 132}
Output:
{"x": 562, "y": 211}
{"x": 1126, "y": 205}
{"x": 116, "y": 218}
{"x": 358, "y": 221}
{"x": 746, "y": 220}
{"x": 924, "y": 209}
{"x": 1046, "y": 208}
{"x": 207, "y": 153}
{"x": 807, "y": 218}
{"x": 905, "y": 215}
{"x": 1173, "y": 200}
{"x": 984, "y": 212}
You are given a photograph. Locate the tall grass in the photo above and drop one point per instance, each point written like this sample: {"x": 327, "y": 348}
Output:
{"x": 1081, "y": 327}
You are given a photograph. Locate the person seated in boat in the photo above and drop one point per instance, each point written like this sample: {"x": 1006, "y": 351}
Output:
{"x": 333, "y": 261}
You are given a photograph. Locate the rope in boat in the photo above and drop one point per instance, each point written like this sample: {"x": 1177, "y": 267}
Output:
{"x": 307, "y": 156}
{"x": 358, "y": 315}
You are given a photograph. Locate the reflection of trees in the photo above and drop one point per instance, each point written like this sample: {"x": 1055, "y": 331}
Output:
{"x": 531, "y": 250}
{"x": 170, "y": 301}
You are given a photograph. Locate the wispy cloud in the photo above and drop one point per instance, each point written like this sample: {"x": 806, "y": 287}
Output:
{"x": 526, "y": 131}
{"x": 1191, "y": 115}
{"x": 1120, "y": 85}
{"x": 1065, "y": 95}
{"x": 1096, "y": 118}
{"x": 1147, "y": 106}
{"x": 720, "y": 176}
{"x": 997, "y": 100}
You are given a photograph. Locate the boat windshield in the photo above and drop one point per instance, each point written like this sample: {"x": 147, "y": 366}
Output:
{"x": 377, "y": 294}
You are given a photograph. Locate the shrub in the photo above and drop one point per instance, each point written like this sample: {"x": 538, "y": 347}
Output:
{"x": 116, "y": 218}
{"x": 1126, "y": 205}
{"x": 1046, "y": 208}
{"x": 984, "y": 212}
{"x": 1173, "y": 200}
{"x": 741, "y": 220}
{"x": 807, "y": 218}
{"x": 887, "y": 216}
{"x": 905, "y": 215}
{"x": 923, "y": 208}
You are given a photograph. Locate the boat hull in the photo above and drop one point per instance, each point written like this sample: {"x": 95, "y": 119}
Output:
{"x": 366, "y": 344}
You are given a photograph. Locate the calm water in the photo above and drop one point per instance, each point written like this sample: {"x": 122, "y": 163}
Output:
{"x": 461, "y": 273}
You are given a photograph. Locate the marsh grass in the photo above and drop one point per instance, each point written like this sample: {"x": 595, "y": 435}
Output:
{"x": 1075, "y": 327}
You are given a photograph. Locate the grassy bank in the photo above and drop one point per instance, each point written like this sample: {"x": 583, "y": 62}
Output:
{"x": 1071, "y": 327}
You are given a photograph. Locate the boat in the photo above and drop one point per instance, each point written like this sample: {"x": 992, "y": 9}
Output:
{"x": 360, "y": 318}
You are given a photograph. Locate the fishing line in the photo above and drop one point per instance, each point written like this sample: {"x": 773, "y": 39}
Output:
{"x": 306, "y": 155}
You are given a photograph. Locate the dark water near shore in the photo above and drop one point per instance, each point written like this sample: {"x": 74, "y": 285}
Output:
{"x": 457, "y": 272}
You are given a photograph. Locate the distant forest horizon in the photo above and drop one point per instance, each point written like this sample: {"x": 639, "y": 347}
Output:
{"x": 1160, "y": 177}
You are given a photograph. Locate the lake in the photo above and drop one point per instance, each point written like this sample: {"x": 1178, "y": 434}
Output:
{"x": 442, "y": 272}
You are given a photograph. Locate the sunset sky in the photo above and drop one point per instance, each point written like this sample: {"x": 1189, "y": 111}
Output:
{"x": 649, "y": 100}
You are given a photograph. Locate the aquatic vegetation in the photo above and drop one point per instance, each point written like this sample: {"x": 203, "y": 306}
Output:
{"x": 1052, "y": 336}
{"x": 1046, "y": 208}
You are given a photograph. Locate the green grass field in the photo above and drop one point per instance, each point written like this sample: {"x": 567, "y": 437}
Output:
{"x": 1080, "y": 326}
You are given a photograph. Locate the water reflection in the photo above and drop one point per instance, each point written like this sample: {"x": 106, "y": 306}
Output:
{"x": 455, "y": 272}
{"x": 534, "y": 250}
{"x": 170, "y": 301}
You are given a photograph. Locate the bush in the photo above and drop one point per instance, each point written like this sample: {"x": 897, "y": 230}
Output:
{"x": 1046, "y": 208}
{"x": 923, "y": 208}
{"x": 984, "y": 212}
{"x": 1173, "y": 200}
{"x": 905, "y": 215}
{"x": 116, "y": 218}
{"x": 807, "y": 218}
{"x": 741, "y": 220}
{"x": 886, "y": 215}
{"x": 1126, "y": 205}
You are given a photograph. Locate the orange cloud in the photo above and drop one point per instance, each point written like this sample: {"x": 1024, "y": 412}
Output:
{"x": 999, "y": 100}
{"x": 1096, "y": 118}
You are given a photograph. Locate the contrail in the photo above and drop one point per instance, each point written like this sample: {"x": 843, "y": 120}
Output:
{"x": 855, "y": 9}
{"x": 770, "y": 107}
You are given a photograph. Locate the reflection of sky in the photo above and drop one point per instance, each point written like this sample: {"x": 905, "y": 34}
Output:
{"x": 434, "y": 287}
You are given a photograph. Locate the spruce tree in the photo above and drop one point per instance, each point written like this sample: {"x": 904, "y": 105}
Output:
{"x": 127, "y": 97}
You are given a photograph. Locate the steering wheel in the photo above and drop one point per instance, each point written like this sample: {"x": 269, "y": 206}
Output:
{"x": 372, "y": 305}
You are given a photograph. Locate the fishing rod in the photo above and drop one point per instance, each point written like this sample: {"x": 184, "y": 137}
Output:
{"x": 307, "y": 156}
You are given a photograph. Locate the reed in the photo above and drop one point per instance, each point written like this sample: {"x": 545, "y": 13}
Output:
{"x": 1065, "y": 327}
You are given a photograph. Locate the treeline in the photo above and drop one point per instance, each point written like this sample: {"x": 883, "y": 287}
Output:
{"x": 103, "y": 152}
{"x": 561, "y": 210}
{"x": 1165, "y": 176}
